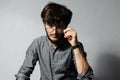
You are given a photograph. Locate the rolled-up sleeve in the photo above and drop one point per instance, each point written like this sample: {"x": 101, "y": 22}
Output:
{"x": 29, "y": 63}
{"x": 88, "y": 76}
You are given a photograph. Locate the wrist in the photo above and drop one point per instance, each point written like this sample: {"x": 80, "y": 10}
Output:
{"x": 77, "y": 45}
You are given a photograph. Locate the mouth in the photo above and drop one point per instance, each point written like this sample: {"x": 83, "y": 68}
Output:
{"x": 54, "y": 37}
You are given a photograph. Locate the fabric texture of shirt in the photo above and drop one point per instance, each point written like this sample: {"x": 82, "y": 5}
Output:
{"x": 55, "y": 64}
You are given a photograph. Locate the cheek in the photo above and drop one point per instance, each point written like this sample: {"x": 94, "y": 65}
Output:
{"x": 48, "y": 30}
{"x": 60, "y": 32}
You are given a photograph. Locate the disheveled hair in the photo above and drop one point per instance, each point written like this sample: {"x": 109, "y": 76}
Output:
{"x": 54, "y": 14}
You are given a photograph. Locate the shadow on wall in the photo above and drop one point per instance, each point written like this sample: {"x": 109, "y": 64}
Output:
{"x": 108, "y": 66}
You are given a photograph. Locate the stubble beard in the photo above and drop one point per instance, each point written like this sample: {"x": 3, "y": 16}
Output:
{"x": 55, "y": 41}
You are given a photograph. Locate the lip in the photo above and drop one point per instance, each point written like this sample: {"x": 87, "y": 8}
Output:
{"x": 53, "y": 36}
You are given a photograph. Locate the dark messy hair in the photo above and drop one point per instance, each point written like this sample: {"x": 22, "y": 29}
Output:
{"x": 55, "y": 14}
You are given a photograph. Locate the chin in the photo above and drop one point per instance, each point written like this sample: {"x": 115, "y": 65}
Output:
{"x": 53, "y": 39}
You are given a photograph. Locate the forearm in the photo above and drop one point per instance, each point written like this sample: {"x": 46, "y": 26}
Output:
{"x": 82, "y": 65}
{"x": 81, "y": 62}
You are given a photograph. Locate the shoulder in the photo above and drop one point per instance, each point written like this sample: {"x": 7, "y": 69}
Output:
{"x": 36, "y": 43}
{"x": 40, "y": 40}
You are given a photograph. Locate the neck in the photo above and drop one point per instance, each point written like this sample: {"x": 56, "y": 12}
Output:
{"x": 54, "y": 45}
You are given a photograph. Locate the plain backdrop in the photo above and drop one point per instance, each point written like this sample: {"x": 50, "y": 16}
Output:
{"x": 96, "y": 21}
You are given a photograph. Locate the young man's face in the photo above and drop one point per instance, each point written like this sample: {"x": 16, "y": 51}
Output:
{"x": 54, "y": 32}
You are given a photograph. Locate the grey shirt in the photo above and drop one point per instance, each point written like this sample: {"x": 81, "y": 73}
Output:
{"x": 55, "y": 64}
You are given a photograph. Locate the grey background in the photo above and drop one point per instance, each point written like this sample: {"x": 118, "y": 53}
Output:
{"x": 96, "y": 21}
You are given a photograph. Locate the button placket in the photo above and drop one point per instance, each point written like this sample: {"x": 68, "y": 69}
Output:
{"x": 54, "y": 60}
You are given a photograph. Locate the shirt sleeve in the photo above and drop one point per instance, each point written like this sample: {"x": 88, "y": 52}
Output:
{"x": 88, "y": 76}
{"x": 29, "y": 63}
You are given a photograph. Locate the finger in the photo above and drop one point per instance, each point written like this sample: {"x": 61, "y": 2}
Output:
{"x": 69, "y": 37}
{"x": 66, "y": 30}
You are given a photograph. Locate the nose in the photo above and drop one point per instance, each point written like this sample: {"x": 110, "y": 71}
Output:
{"x": 54, "y": 29}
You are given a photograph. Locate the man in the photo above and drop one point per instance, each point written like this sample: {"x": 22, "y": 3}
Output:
{"x": 61, "y": 56}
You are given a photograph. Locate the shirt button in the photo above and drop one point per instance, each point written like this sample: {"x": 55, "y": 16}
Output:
{"x": 53, "y": 74}
{"x": 58, "y": 71}
{"x": 55, "y": 60}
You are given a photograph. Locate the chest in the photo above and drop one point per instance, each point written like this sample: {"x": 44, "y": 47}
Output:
{"x": 58, "y": 59}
